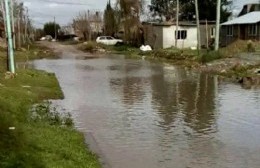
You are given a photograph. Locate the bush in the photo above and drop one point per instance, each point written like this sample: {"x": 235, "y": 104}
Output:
{"x": 170, "y": 54}
{"x": 250, "y": 46}
{"x": 44, "y": 112}
{"x": 211, "y": 56}
{"x": 121, "y": 47}
{"x": 89, "y": 46}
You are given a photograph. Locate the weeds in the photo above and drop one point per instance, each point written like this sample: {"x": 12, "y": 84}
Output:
{"x": 45, "y": 112}
{"x": 90, "y": 46}
{"x": 210, "y": 56}
{"x": 250, "y": 46}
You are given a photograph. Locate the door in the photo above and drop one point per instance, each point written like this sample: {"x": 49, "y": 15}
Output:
{"x": 242, "y": 32}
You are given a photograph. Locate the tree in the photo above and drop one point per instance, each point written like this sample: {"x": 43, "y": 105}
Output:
{"x": 81, "y": 24}
{"x": 163, "y": 8}
{"x": 207, "y": 9}
{"x": 130, "y": 13}
{"x": 50, "y": 28}
{"x": 110, "y": 25}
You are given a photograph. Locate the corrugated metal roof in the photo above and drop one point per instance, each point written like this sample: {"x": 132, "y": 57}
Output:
{"x": 250, "y": 18}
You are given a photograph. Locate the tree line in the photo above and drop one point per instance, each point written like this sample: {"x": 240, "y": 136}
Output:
{"x": 22, "y": 28}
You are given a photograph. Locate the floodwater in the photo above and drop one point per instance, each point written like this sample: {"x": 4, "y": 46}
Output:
{"x": 154, "y": 115}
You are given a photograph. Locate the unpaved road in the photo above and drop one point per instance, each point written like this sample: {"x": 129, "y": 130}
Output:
{"x": 68, "y": 51}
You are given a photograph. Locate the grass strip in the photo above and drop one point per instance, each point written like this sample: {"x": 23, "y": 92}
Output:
{"x": 37, "y": 137}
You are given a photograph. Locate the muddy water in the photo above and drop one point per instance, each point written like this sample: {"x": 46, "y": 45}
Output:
{"x": 153, "y": 115}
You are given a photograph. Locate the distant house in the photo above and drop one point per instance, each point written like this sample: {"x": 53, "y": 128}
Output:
{"x": 163, "y": 35}
{"x": 245, "y": 27}
{"x": 67, "y": 30}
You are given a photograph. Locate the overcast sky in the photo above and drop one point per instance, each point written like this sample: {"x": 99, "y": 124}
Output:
{"x": 42, "y": 11}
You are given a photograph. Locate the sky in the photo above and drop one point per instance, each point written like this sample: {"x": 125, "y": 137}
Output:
{"x": 42, "y": 11}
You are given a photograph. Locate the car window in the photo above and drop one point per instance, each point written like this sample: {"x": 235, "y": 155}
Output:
{"x": 109, "y": 38}
{"x": 102, "y": 38}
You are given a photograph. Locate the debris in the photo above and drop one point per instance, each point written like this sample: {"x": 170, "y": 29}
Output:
{"x": 23, "y": 49}
{"x": 193, "y": 48}
{"x": 9, "y": 75}
{"x": 223, "y": 71}
{"x": 257, "y": 71}
{"x": 26, "y": 86}
{"x": 146, "y": 48}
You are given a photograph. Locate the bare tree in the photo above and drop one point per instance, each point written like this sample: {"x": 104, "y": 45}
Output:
{"x": 130, "y": 13}
{"x": 81, "y": 25}
{"x": 96, "y": 23}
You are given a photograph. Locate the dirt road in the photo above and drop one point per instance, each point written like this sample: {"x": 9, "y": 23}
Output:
{"x": 67, "y": 51}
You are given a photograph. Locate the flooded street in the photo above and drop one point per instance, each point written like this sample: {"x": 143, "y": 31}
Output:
{"x": 153, "y": 115}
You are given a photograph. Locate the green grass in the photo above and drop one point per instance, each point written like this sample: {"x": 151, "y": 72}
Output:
{"x": 45, "y": 141}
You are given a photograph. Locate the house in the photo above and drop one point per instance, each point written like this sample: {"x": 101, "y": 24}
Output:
{"x": 249, "y": 8}
{"x": 163, "y": 35}
{"x": 90, "y": 24}
{"x": 67, "y": 30}
{"x": 245, "y": 27}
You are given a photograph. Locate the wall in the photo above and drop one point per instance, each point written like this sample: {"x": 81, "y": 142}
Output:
{"x": 239, "y": 32}
{"x": 169, "y": 37}
{"x": 204, "y": 33}
{"x": 163, "y": 36}
{"x": 153, "y": 36}
{"x": 253, "y": 37}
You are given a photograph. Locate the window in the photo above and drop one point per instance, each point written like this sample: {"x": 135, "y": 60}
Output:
{"x": 109, "y": 38}
{"x": 252, "y": 30}
{"x": 182, "y": 34}
{"x": 102, "y": 38}
{"x": 229, "y": 30}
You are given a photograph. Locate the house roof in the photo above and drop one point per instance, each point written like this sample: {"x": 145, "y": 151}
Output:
{"x": 249, "y": 18}
{"x": 181, "y": 23}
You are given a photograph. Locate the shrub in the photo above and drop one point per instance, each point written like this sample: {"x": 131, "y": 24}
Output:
{"x": 250, "y": 46}
{"x": 89, "y": 46}
{"x": 121, "y": 47}
{"x": 46, "y": 113}
{"x": 210, "y": 56}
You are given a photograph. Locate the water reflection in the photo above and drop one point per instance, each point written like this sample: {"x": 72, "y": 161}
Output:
{"x": 145, "y": 114}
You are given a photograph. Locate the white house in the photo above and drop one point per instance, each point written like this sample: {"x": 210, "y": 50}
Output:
{"x": 163, "y": 35}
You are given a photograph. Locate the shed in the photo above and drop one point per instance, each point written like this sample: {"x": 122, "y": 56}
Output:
{"x": 163, "y": 35}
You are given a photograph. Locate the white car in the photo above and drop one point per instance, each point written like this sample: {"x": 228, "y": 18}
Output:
{"x": 108, "y": 40}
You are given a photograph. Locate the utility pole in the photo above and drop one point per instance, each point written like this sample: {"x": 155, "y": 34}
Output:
{"x": 177, "y": 24}
{"x": 13, "y": 22}
{"x": 10, "y": 40}
{"x": 198, "y": 25}
{"x": 217, "y": 25}
{"x": 55, "y": 28}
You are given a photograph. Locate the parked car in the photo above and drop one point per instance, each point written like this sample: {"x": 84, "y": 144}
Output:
{"x": 47, "y": 37}
{"x": 108, "y": 40}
